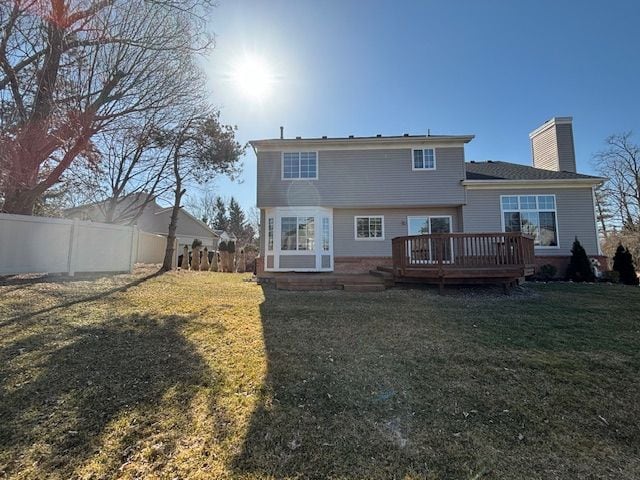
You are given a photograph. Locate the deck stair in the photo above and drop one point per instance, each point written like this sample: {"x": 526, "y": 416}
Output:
{"x": 330, "y": 281}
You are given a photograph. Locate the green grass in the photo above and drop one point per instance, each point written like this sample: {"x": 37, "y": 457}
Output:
{"x": 205, "y": 375}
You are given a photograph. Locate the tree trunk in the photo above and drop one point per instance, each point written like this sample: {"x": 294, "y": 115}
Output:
{"x": 173, "y": 225}
{"x": 19, "y": 202}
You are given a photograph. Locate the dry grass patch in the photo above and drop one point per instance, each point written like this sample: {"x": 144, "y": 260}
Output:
{"x": 204, "y": 375}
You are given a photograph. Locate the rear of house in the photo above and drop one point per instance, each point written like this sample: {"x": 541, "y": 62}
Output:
{"x": 335, "y": 204}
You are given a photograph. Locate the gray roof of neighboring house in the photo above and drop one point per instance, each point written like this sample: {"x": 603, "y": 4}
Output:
{"x": 495, "y": 170}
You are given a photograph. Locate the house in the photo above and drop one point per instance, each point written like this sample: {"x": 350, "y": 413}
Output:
{"x": 153, "y": 219}
{"x": 335, "y": 204}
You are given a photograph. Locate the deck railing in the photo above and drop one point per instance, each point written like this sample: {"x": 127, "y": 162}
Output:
{"x": 462, "y": 250}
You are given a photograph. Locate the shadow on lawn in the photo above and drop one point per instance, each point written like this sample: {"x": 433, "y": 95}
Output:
{"x": 338, "y": 399}
{"x": 21, "y": 317}
{"x": 83, "y": 380}
{"x": 406, "y": 385}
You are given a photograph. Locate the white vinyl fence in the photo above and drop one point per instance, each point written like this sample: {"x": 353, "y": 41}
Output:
{"x": 52, "y": 245}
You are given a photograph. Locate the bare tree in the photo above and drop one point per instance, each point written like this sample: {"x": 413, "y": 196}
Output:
{"x": 199, "y": 147}
{"x": 72, "y": 69}
{"x": 204, "y": 206}
{"x": 132, "y": 173}
{"x": 620, "y": 163}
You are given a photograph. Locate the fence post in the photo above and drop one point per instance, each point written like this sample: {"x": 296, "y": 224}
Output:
{"x": 73, "y": 247}
{"x": 133, "y": 251}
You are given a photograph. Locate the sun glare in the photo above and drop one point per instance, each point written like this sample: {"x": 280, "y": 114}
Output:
{"x": 253, "y": 78}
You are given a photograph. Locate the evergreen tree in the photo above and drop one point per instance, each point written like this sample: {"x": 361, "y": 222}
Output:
{"x": 237, "y": 219}
{"x": 579, "y": 269}
{"x": 623, "y": 264}
{"x": 220, "y": 219}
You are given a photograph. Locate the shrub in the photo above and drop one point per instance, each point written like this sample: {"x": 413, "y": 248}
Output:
{"x": 579, "y": 269}
{"x": 547, "y": 272}
{"x": 196, "y": 243}
{"x": 610, "y": 277}
{"x": 222, "y": 246}
{"x": 231, "y": 246}
{"x": 250, "y": 247}
{"x": 623, "y": 264}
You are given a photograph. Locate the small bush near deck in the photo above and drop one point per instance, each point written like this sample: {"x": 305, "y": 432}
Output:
{"x": 623, "y": 264}
{"x": 579, "y": 269}
{"x": 546, "y": 272}
{"x": 610, "y": 277}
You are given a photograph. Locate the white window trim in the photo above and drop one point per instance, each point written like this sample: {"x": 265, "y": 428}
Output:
{"x": 368, "y": 239}
{"x": 282, "y": 177}
{"x": 423, "y": 169}
{"x": 555, "y": 210}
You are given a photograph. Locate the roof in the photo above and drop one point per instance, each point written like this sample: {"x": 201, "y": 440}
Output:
{"x": 495, "y": 170}
{"x": 353, "y": 140}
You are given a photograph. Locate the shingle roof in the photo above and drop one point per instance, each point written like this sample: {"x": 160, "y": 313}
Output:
{"x": 494, "y": 170}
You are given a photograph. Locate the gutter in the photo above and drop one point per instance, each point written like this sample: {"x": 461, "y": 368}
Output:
{"x": 540, "y": 183}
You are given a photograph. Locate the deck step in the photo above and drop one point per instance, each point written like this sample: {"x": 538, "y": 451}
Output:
{"x": 308, "y": 287}
{"x": 373, "y": 287}
{"x": 384, "y": 269}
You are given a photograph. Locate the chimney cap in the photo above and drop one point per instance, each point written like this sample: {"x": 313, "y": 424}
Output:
{"x": 550, "y": 123}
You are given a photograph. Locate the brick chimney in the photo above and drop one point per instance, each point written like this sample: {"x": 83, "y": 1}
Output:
{"x": 552, "y": 145}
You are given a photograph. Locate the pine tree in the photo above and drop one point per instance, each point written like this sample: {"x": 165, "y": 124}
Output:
{"x": 221, "y": 220}
{"x": 237, "y": 219}
{"x": 579, "y": 269}
{"x": 623, "y": 264}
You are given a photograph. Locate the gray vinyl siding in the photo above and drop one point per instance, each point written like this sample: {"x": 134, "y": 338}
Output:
{"x": 566, "y": 152}
{"x": 553, "y": 149}
{"x": 545, "y": 150}
{"x": 297, "y": 261}
{"x": 575, "y": 216}
{"x": 395, "y": 225}
{"x": 354, "y": 178}
{"x": 263, "y": 233}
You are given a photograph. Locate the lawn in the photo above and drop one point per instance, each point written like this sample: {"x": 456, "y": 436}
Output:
{"x": 206, "y": 375}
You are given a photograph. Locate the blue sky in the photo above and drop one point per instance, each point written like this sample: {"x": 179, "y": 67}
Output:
{"x": 496, "y": 69}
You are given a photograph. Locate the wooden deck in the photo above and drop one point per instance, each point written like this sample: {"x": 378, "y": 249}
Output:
{"x": 457, "y": 258}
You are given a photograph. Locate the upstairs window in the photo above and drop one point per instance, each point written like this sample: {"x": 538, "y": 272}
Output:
{"x": 531, "y": 214}
{"x": 299, "y": 165}
{"x": 424, "y": 159}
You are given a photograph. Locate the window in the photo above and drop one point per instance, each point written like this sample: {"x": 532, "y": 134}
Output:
{"x": 424, "y": 159}
{"x": 270, "y": 234}
{"x": 297, "y": 233}
{"x": 325, "y": 234}
{"x": 531, "y": 214}
{"x": 299, "y": 165}
{"x": 369, "y": 228}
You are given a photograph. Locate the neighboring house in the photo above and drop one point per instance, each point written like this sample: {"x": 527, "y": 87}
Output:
{"x": 334, "y": 204}
{"x": 155, "y": 219}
